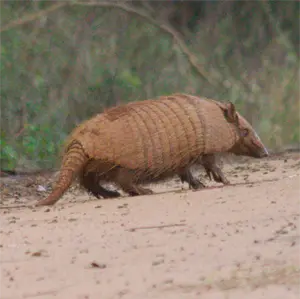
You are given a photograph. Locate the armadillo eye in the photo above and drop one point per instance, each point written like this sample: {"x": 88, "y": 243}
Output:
{"x": 244, "y": 132}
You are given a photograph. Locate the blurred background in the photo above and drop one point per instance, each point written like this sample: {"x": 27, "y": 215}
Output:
{"x": 64, "y": 61}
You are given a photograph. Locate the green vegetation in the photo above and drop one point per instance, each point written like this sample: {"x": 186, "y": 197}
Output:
{"x": 63, "y": 61}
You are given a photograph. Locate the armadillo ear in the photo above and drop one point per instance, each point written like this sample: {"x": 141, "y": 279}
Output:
{"x": 230, "y": 113}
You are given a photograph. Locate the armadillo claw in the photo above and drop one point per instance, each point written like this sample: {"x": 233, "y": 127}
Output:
{"x": 208, "y": 173}
{"x": 217, "y": 175}
{"x": 196, "y": 184}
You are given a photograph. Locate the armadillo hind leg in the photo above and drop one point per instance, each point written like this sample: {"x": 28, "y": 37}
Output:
{"x": 126, "y": 179}
{"x": 187, "y": 176}
{"x": 90, "y": 181}
{"x": 213, "y": 170}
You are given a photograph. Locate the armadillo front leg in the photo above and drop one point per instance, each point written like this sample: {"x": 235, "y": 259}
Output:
{"x": 212, "y": 169}
{"x": 90, "y": 182}
{"x": 126, "y": 179}
{"x": 187, "y": 176}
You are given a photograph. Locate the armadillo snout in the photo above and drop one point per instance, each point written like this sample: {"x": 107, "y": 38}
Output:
{"x": 257, "y": 147}
{"x": 259, "y": 154}
{"x": 263, "y": 153}
{"x": 257, "y": 150}
{"x": 250, "y": 149}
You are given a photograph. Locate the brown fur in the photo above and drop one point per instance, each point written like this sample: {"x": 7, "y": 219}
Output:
{"x": 150, "y": 140}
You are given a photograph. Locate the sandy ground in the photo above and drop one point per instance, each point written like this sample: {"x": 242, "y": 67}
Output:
{"x": 239, "y": 241}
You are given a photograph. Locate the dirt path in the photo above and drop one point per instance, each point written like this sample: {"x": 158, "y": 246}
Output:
{"x": 234, "y": 242}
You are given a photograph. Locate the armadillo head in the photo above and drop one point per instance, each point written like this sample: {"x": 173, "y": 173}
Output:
{"x": 248, "y": 142}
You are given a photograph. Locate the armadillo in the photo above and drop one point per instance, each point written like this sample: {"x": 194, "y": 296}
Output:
{"x": 151, "y": 140}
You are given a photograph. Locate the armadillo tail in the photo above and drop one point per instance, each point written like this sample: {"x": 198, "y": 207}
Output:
{"x": 73, "y": 161}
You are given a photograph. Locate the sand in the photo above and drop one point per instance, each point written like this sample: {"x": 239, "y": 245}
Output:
{"x": 239, "y": 241}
